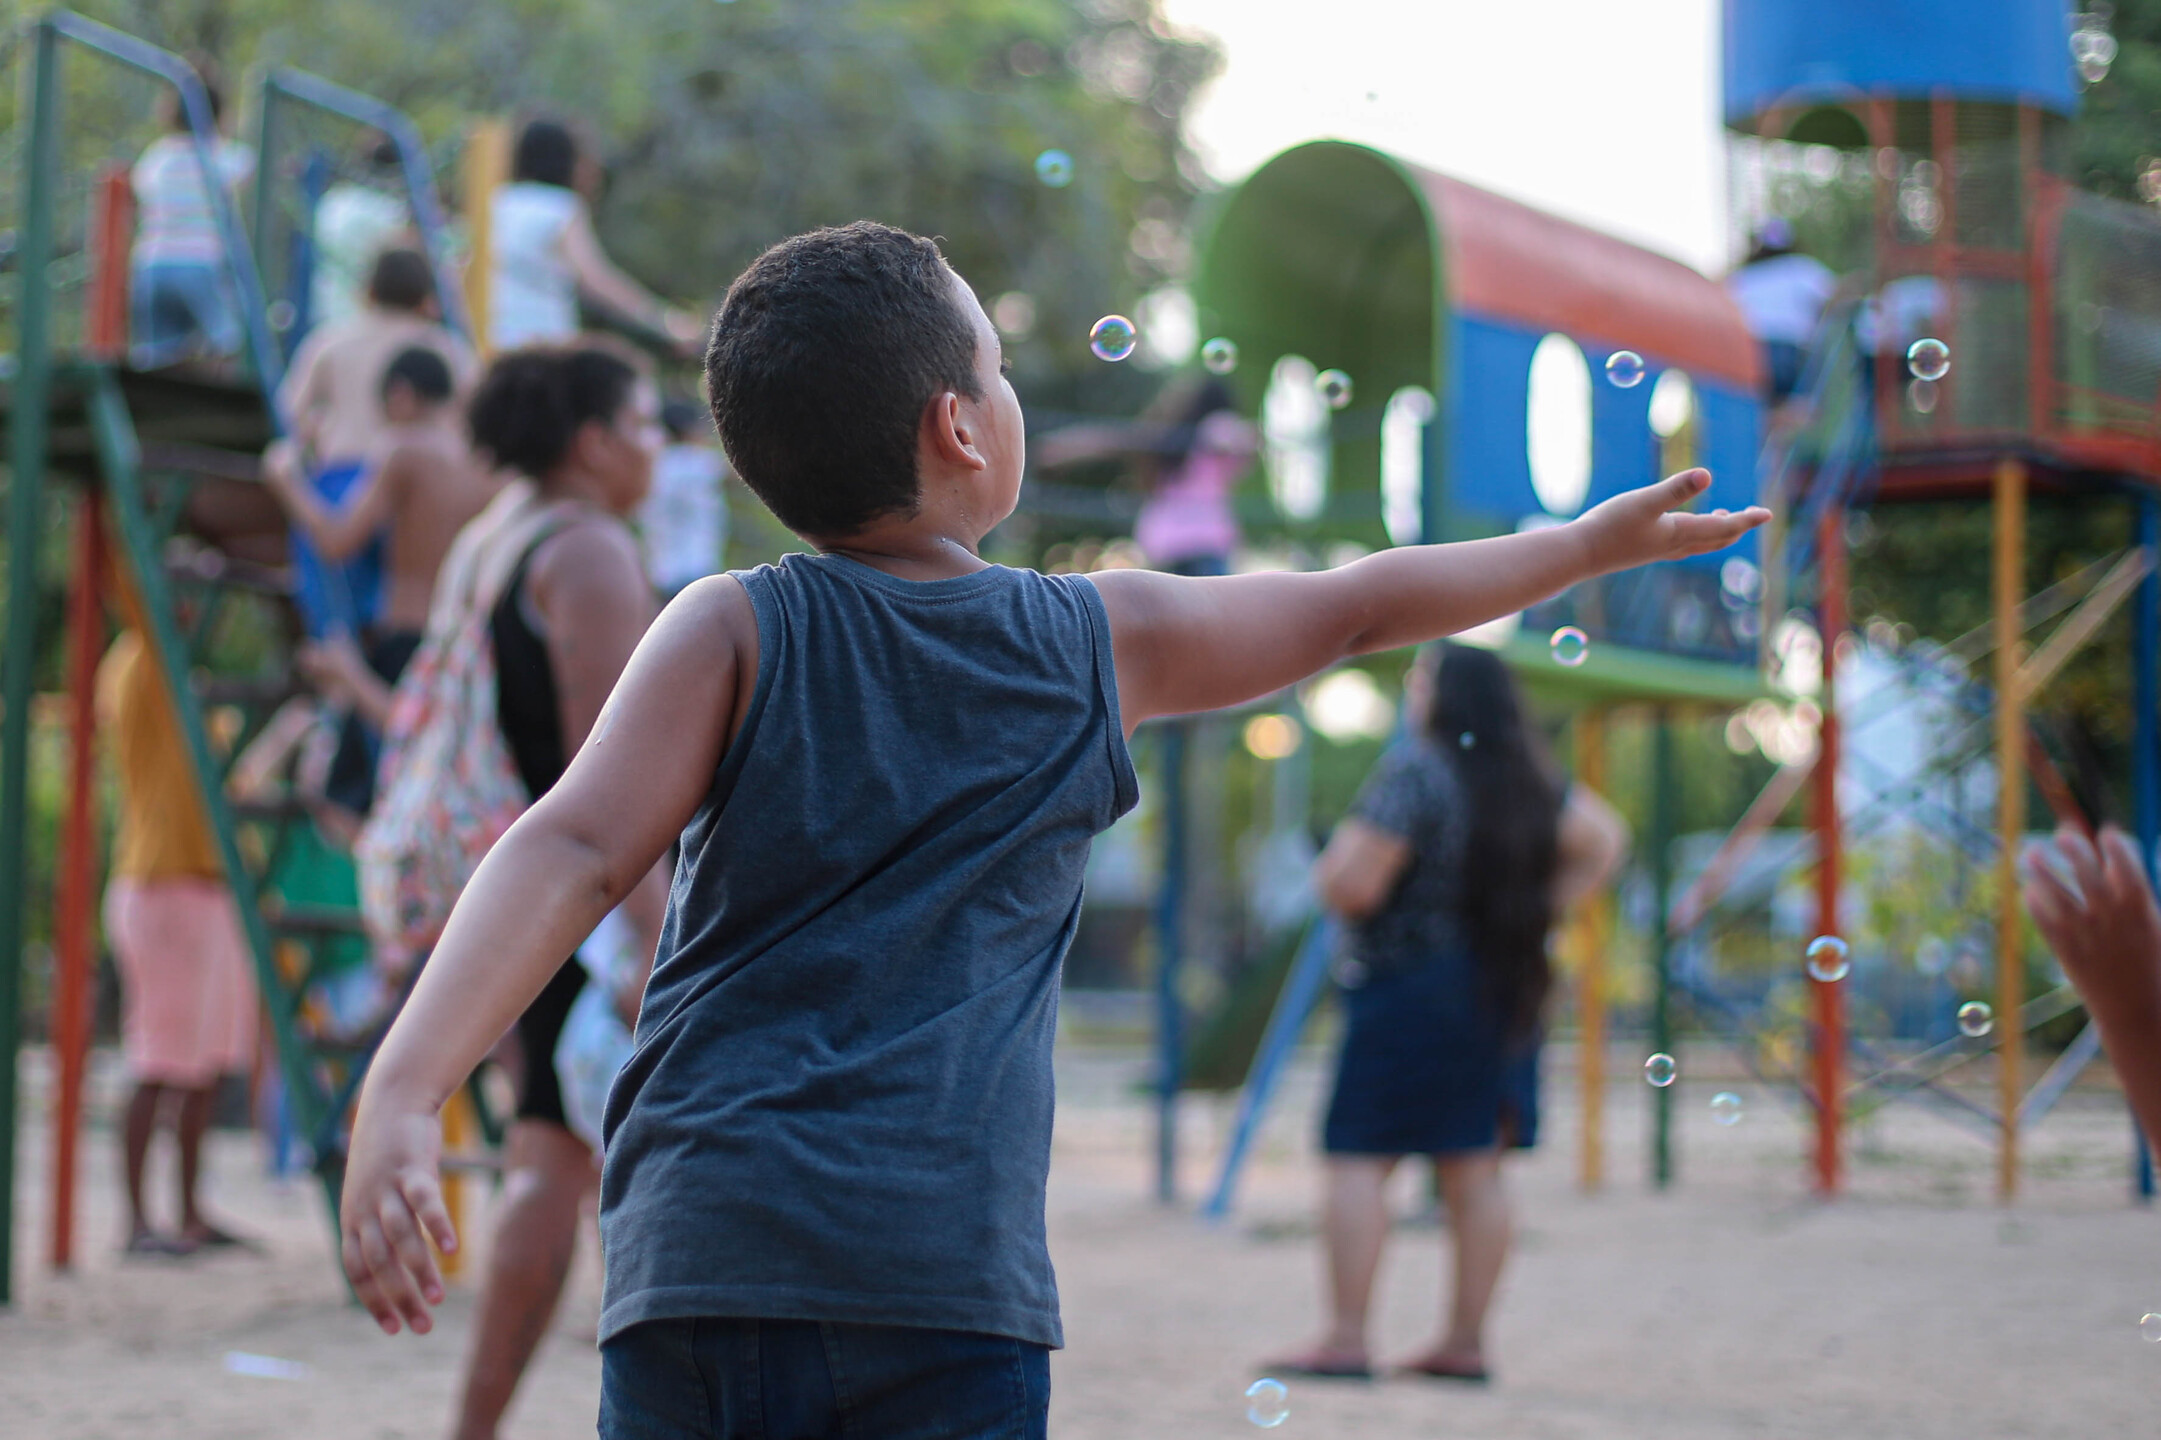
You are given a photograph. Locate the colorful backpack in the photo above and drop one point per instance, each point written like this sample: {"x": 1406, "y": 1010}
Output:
{"x": 446, "y": 785}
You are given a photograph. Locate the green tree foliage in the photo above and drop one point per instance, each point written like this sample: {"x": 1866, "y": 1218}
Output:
{"x": 2117, "y": 131}
{"x": 727, "y": 126}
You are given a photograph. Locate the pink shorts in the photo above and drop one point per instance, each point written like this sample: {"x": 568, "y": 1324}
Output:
{"x": 188, "y": 1008}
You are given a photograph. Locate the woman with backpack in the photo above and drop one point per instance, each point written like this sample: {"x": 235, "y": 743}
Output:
{"x": 546, "y": 593}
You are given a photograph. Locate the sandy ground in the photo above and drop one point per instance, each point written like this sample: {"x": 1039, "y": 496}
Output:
{"x": 1728, "y": 1307}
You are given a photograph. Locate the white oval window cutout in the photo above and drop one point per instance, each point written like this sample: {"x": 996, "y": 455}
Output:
{"x": 1294, "y": 432}
{"x": 1673, "y": 404}
{"x": 1403, "y": 464}
{"x": 1559, "y": 425}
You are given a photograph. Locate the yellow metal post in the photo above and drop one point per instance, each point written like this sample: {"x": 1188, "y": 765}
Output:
{"x": 458, "y": 1128}
{"x": 486, "y": 169}
{"x": 1594, "y": 932}
{"x": 2009, "y": 501}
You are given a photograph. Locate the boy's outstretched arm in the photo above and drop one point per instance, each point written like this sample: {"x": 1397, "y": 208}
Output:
{"x": 569, "y": 860}
{"x": 1183, "y": 645}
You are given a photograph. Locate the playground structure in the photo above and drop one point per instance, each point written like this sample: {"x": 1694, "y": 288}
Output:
{"x": 163, "y": 463}
{"x": 1970, "y": 235}
{"x": 1471, "y": 324}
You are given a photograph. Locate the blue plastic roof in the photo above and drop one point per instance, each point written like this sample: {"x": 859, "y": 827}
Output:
{"x": 1795, "y": 51}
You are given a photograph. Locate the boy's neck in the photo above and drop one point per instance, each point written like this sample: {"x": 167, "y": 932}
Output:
{"x": 909, "y": 549}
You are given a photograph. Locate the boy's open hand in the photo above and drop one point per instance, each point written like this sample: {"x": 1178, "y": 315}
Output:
{"x": 1648, "y": 525}
{"x": 392, "y": 1204}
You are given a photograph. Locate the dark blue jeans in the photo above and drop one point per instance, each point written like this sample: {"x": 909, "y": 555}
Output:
{"x": 811, "y": 1380}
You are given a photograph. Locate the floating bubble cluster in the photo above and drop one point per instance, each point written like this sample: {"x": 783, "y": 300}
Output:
{"x": 1826, "y": 957}
{"x": 1268, "y": 1403}
{"x": 1625, "y": 369}
{"x": 1928, "y": 359}
{"x": 1975, "y": 1019}
{"x": 1570, "y": 646}
{"x": 1113, "y": 338}
{"x": 1726, "y": 1108}
{"x": 1054, "y": 168}
{"x": 1335, "y": 388}
{"x": 1661, "y": 1070}
{"x": 1219, "y": 356}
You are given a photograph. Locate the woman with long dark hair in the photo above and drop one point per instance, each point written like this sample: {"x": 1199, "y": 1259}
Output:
{"x": 1459, "y": 852}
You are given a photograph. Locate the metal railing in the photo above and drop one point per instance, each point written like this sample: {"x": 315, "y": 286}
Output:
{"x": 285, "y": 86}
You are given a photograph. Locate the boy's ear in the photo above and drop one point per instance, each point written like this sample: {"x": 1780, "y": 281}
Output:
{"x": 946, "y": 433}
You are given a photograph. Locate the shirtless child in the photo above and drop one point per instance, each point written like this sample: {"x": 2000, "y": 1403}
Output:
{"x": 423, "y": 490}
{"x": 332, "y": 395}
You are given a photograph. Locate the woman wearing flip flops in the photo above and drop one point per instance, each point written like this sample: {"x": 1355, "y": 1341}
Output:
{"x": 1455, "y": 858}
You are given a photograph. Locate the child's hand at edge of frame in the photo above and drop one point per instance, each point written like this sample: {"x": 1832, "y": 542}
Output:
{"x": 2093, "y": 906}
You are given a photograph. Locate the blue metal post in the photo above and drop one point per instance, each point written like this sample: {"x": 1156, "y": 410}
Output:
{"x": 1170, "y": 951}
{"x": 1294, "y": 1006}
{"x": 2146, "y": 752}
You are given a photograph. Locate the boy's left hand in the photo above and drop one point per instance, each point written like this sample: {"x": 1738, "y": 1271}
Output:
{"x": 1648, "y": 525}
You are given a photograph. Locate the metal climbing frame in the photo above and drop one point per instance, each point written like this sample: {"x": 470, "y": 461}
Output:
{"x": 137, "y": 448}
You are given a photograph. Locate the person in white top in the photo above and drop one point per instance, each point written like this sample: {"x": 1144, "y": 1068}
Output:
{"x": 684, "y": 520}
{"x": 1781, "y": 293}
{"x": 358, "y": 218}
{"x": 180, "y": 297}
{"x": 544, "y": 254}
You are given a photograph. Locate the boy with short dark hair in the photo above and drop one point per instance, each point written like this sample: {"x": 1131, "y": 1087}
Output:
{"x": 333, "y": 397}
{"x": 416, "y": 497}
{"x": 823, "y": 1199}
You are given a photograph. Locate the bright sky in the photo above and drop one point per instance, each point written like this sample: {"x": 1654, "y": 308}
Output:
{"x": 1604, "y": 112}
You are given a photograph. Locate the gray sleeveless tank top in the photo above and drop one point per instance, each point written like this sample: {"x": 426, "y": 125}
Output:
{"x": 839, "y": 1106}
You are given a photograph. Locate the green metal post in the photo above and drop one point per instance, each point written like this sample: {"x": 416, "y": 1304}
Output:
{"x": 113, "y": 432}
{"x": 1660, "y": 842}
{"x": 26, "y": 524}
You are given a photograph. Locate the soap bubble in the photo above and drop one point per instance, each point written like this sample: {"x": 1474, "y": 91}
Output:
{"x": 282, "y": 315}
{"x": 1625, "y": 369}
{"x": 1726, "y": 1108}
{"x": 1661, "y": 1070}
{"x": 1220, "y": 356}
{"x": 1570, "y": 646}
{"x": 1921, "y": 395}
{"x": 2149, "y": 1327}
{"x": 1975, "y": 1019}
{"x": 1827, "y": 960}
{"x": 1335, "y": 388}
{"x": 1466, "y": 741}
{"x": 1928, "y": 359}
{"x": 2149, "y": 183}
{"x": 1268, "y": 1403}
{"x": 2092, "y": 69}
{"x": 1054, "y": 168}
{"x": 2091, "y": 43}
{"x": 1113, "y": 338}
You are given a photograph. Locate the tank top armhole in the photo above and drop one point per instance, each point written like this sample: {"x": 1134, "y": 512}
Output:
{"x": 765, "y": 605}
{"x": 1106, "y": 671}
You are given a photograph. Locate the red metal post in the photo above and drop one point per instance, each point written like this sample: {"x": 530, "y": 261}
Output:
{"x": 112, "y": 231}
{"x": 73, "y": 902}
{"x": 1829, "y": 996}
